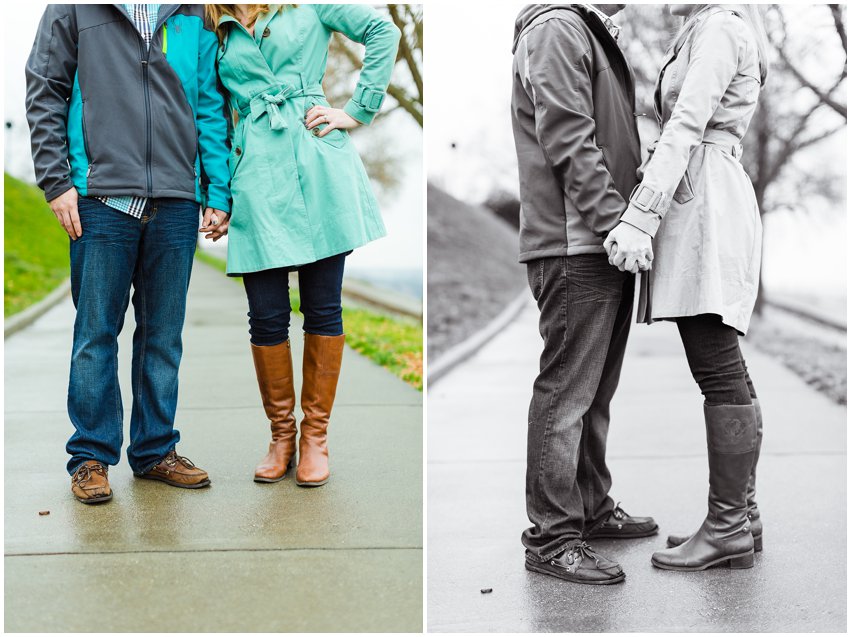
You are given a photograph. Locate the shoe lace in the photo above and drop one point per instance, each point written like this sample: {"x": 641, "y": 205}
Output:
{"x": 618, "y": 513}
{"x": 581, "y": 549}
{"x": 172, "y": 459}
{"x": 84, "y": 473}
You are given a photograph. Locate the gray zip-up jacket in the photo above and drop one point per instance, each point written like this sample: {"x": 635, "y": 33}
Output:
{"x": 110, "y": 116}
{"x": 573, "y": 114}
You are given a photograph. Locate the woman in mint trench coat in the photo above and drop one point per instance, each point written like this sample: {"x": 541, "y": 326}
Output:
{"x": 301, "y": 200}
{"x": 698, "y": 203}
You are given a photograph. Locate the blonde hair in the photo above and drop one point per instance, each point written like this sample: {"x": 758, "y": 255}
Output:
{"x": 215, "y": 12}
{"x": 750, "y": 13}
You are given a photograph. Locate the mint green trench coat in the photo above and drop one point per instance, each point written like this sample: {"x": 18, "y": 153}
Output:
{"x": 298, "y": 198}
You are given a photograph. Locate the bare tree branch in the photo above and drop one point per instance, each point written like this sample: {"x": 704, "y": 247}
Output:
{"x": 838, "y": 22}
{"x": 822, "y": 95}
{"x": 815, "y": 139}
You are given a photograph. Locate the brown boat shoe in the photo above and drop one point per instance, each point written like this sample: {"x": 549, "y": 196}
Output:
{"x": 90, "y": 484}
{"x": 177, "y": 471}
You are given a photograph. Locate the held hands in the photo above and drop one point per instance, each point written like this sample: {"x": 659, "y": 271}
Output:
{"x": 215, "y": 224}
{"x": 336, "y": 118}
{"x": 65, "y": 209}
{"x": 629, "y": 248}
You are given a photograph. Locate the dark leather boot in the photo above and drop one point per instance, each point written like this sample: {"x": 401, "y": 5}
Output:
{"x": 323, "y": 356}
{"x": 753, "y": 511}
{"x": 725, "y": 536}
{"x": 274, "y": 367}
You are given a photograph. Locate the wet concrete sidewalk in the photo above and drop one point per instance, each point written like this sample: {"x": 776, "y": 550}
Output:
{"x": 235, "y": 557}
{"x": 657, "y": 452}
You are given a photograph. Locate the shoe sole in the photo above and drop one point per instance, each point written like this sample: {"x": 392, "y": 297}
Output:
{"x": 614, "y": 535}
{"x": 740, "y": 561}
{"x": 757, "y": 544}
{"x": 171, "y": 483}
{"x": 97, "y": 500}
{"x": 269, "y": 480}
{"x": 539, "y": 569}
{"x": 312, "y": 484}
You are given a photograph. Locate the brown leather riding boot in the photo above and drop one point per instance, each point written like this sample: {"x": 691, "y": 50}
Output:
{"x": 725, "y": 535}
{"x": 323, "y": 356}
{"x": 274, "y": 367}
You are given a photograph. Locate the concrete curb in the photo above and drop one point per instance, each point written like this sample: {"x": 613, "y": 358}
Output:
{"x": 466, "y": 348}
{"x": 23, "y": 319}
{"x": 808, "y": 315}
{"x": 382, "y": 298}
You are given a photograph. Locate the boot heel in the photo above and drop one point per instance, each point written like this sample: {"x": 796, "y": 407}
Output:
{"x": 743, "y": 561}
{"x": 757, "y": 544}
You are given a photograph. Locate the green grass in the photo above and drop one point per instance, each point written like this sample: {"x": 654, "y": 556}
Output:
{"x": 394, "y": 343}
{"x": 36, "y": 258}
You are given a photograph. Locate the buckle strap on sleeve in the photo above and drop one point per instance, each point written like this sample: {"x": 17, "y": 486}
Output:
{"x": 648, "y": 200}
{"x": 368, "y": 99}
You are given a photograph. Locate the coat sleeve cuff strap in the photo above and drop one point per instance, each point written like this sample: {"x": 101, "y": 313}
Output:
{"x": 368, "y": 99}
{"x": 649, "y": 200}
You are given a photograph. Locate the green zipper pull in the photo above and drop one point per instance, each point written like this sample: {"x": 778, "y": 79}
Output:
{"x": 165, "y": 39}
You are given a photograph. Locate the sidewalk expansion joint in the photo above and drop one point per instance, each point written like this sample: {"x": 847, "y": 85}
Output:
{"x": 221, "y": 550}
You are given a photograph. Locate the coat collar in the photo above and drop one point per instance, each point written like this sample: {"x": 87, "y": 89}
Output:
{"x": 262, "y": 21}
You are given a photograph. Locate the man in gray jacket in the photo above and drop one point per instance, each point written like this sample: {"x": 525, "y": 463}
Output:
{"x": 578, "y": 149}
{"x": 129, "y": 138}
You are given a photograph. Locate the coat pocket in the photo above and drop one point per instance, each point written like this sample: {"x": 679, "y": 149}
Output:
{"x": 336, "y": 138}
{"x": 685, "y": 191}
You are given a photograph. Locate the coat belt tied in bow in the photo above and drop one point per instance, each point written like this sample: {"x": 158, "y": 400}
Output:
{"x": 267, "y": 104}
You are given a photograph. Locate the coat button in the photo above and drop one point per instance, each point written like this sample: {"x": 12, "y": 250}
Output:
{"x": 238, "y": 151}
{"x": 266, "y": 32}
{"x": 316, "y": 132}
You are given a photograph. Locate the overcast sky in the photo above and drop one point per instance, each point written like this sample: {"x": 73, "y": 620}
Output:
{"x": 403, "y": 212}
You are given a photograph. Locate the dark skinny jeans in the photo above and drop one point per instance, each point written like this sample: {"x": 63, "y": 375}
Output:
{"x": 320, "y": 286}
{"x": 715, "y": 360}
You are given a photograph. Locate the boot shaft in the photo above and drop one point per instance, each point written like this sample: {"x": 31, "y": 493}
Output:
{"x": 754, "y": 512}
{"x": 323, "y": 356}
{"x": 273, "y": 365}
{"x": 731, "y": 442}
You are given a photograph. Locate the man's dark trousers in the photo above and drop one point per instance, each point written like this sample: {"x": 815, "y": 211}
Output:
{"x": 586, "y": 307}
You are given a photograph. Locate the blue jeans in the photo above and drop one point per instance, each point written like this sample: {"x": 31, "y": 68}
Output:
{"x": 320, "y": 286}
{"x": 153, "y": 254}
